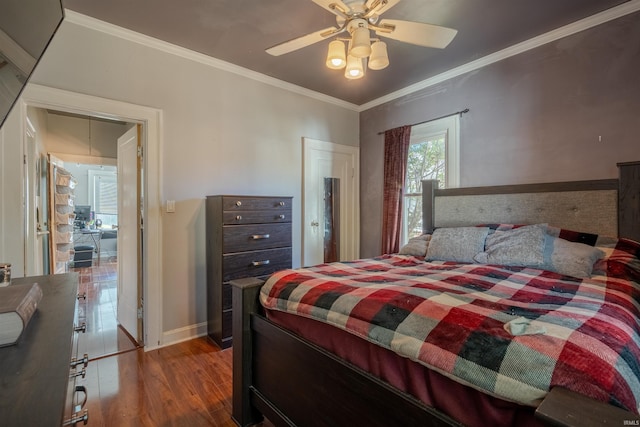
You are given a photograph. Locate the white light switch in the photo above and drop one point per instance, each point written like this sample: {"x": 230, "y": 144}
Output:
{"x": 171, "y": 206}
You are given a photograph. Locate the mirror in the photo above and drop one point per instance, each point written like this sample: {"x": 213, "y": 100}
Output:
{"x": 331, "y": 219}
{"x": 26, "y": 28}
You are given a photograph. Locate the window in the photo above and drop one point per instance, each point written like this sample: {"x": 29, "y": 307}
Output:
{"x": 103, "y": 196}
{"x": 433, "y": 154}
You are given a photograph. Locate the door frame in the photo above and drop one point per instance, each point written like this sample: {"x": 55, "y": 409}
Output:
{"x": 350, "y": 211}
{"x": 151, "y": 121}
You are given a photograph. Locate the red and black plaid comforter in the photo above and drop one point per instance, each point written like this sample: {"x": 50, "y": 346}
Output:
{"x": 451, "y": 317}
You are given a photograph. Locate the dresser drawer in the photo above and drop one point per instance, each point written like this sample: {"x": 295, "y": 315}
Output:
{"x": 248, "y": 203}
{"x": 254, "y": 217}
{"x": 256, "y": 263}
{"x": 243, "y": 238}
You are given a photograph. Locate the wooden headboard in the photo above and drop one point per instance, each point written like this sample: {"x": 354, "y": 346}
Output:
{"x": 609, "y": 207}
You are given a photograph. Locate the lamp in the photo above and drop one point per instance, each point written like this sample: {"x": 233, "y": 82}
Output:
{"x": 379, "y": 58}
{"x": 358, "y": 49}
{"x": 355, "y": 68}
{"x": 336, "y": 57}
{"x": 360, "y": 42}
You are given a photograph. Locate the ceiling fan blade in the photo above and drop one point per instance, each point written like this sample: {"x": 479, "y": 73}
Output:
{"x": 378, "y": 7}
{"x": 417, "y": 33}
{"x": 300, "y": 42}
{"x": 339, "y": 8}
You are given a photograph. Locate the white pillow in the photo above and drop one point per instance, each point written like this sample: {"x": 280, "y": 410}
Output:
{"x": 459, "y": 244}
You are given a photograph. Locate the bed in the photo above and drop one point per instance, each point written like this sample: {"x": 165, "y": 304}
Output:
{"x": 333, "y": 377}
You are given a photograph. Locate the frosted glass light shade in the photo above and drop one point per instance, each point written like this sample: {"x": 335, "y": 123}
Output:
{"x": 360, "y": 43}
{"x": 379, "y": 58}
{"x": 354, "y": 68}
{"x": 336, "y": 57}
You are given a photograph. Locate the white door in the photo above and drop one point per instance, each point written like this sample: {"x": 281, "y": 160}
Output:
{"x": 33, "y": 241}
{"x": 36, "y": 207}
{"x": 328, "y": 160}
{"x": 129, "y": 283}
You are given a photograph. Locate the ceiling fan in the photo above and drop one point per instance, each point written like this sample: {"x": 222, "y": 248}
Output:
{"x": 358, "y": 18}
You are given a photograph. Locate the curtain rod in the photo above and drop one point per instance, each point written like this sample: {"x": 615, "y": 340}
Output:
{"x": 466, "y": 110}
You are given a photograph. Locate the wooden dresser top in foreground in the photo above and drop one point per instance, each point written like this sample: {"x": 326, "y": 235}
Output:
{"x": 34, "y": 373}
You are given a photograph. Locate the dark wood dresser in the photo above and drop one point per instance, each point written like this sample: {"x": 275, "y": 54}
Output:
{"x": 37, "y": 386}
{"x": 247, "y": 236}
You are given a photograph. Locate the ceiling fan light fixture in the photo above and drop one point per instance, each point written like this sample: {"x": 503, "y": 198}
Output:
{"x": 360, "y": 42}
{"x": 355, "y": 68}
{"x": 359, "y": 18}
{"x": 379, "y": 58}
{"x": 336, "y": 57}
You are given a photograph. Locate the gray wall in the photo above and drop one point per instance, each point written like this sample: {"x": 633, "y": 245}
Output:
{"x": 534, "y": 117}
{"x": 222, "y": 133}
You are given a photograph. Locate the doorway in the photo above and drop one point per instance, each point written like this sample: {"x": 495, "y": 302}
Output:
{"x": 339, "y": 165}
{"x": 87, "y": 152}
{"x": 151, "y": 121}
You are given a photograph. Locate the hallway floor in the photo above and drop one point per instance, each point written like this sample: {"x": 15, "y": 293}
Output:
{"x": 104, "y": 337}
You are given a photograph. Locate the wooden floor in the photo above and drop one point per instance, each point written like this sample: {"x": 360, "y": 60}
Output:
{"x": 187, "y": 384}
{"x": 99, "y": 311}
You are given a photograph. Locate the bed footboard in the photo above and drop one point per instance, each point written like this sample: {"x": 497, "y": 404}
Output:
{"x": 562, "y": 407}
{"x": 293, "y": 382}
{"x": 245, "y": 304}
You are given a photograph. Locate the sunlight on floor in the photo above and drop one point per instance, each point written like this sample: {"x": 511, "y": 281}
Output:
{"x": 103, "y": 336}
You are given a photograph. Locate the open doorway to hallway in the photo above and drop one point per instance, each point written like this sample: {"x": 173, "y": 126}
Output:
{"x": 86, "y": 148}
{"x": 149, "y": 122}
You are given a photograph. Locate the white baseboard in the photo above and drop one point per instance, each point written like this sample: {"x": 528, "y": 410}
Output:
{"x": 179, "y": 335}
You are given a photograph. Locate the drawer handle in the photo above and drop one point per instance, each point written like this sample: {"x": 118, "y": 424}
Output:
{"x": 280, "y": 216}
{"x": 84, "y": 361}
{"x": 281, "y": 203}
{"x": 260, "y": 236}
{"x": 77, "y": 418}
{"x": 81, "y": 389}
{"x": 259, "y": 263}
{"x": 82, "y": 328}
{"x": 82, "y": 374}
{"x": 238, "y": 217}
{"x": 238, "y": 203}
{"x": 82, "y": 296}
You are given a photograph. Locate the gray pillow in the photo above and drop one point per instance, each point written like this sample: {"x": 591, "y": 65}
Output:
{"x": 523, "y": 246}
{"x": 459, "y": 244}
{"x": 570, "y": 258}
{"x": 416, "y": 246}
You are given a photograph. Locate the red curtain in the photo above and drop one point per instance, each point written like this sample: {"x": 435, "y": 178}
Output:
{"x": 396, "y": 152}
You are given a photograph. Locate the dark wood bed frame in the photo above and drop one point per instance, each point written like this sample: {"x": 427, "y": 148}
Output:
{"x": 293, "y": 382}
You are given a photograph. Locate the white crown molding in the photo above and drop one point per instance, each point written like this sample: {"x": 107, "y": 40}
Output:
{"x": 16, "y": 54}
{"x": 567, "y": 30}
{"x": 575, "y": 27}
{"x": 123, "y": 33}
